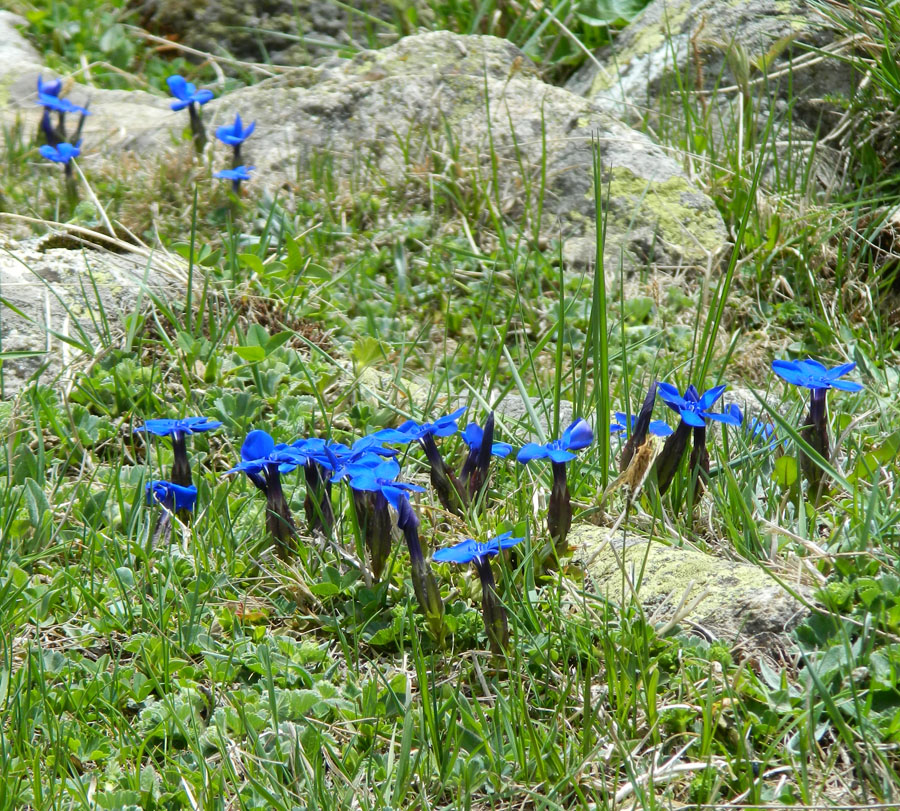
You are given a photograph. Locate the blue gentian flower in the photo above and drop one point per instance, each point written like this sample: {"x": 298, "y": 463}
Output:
{"x": 172, "y": 496}
{"x": 61, "y": 153}
{"x": 694, "y": 408}
{"x": 818, "y": 379}
{"x": 577, "y": 436}
{"x": 178, "y": 430}
{"x": 236, "y": 175}
{"x": 476, "y": 467}
{"x": 559, "y": 451}
{"x": 60, "y": 105}
{"x": 813, "y": 375}
{"x": 468, "y": 551}
{"x": 186, "y": 93}
{"x": 186, "y": 425}
{"x": 383, "y": 479}
{"x": 235, "y": 134}
{"x": 473, "y": 434}
{"x": 450, "y": 491}
{"x": 50, "y": 88}
{"x": 261, "y": 461}
{"x": 657, "y": 427}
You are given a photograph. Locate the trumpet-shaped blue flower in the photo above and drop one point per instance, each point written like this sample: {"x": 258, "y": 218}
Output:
{"x": 60, "y": 105}
{"x": 235, "y": 175}
{"x": 172, "y": 496}
{"x": 235, "y": 134}
{"x": 61, "y": 153}
{"x": 50, "y": 88}
{"x": 657, "y": 427}
{"x": 381, "y": 479}
{"x": 182, "y": 427}
{"x": 469, "y": 551}
{"x": 577, "y": 436}
{"x": 186, "y": 93}
{"x": 411, "y": 430}
{"x": 694, "y": 407}
{"x": 813, "y": 375}
{"x": 473, "y": 435}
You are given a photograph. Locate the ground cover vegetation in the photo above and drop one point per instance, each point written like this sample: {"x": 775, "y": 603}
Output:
{"x": 174, "y": 637}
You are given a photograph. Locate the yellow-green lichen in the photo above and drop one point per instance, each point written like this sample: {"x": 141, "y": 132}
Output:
{"x": 679, "y": 221}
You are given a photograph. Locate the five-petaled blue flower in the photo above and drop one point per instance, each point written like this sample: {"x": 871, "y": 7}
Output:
{"x": 657, "y": 427}
{"x": 694, "y": 407}
{"x": 172, "y": 496}
{"x": 813, "y": 375}
{"x": 381, "y": 478}
{"x": 411, "y": 430}
{"x": 61, "y": 153}
{"x": 469, "y": 551}
{"x": 578, "y": 435}
{"x": 188, "y": 425}
{"x": 234, "y": 134}
{"x": 473, "y": 434}
{"x": 237, "y": 174}
{"x": 186, "y": 93}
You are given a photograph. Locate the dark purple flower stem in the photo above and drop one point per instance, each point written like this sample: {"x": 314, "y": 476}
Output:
{"x": 450, "y": 491}
{"x": 317, "y": 504}
{"x": 425, "y": 586}
{"x": 198, "y": 133}
{"x": 279, "y": 521}
{"x": 815, "y": 432}
{"x": 495, "y": 620}
{"x": 671, "y": 455}
{"x": 559, "y": 513}
{"x": 699, "y": 461}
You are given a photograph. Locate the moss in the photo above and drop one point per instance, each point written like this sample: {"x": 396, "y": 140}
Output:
{"x": 673, "y": 204}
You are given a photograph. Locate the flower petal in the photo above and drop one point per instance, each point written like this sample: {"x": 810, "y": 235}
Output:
{"x": 578, "y": 435}
{"x": 691, "y": 417}
{"x": 463, "y": 552}
{"x": 258, "y": 444}
{"x": 710, "y": 396}
{"x": 531, "y": 451}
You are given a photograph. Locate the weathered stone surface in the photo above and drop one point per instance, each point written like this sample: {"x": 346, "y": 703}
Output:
{"x": 678, "y": 44}
{"x": 15, "y": 51}
{"x": 75, "y": 294}
{"x": 285, "y": 32}
{"x": 465, "y": 112}
{"x": 743, "y": 606}
{"x": 512, "y": 411}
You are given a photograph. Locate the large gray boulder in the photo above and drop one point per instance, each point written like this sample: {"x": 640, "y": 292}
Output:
{"x": 738, "y": 603}
{"x": 439, "y": 109}
{"x": 63, "y": 306}
{"x": 678, "y": 46}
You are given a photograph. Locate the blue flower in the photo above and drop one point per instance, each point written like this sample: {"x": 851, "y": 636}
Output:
{"x": 469, "y": 551}
{"x": 235, "y": 134}
{"x": 381, "y": 479}
{"x": 813, "y": 375}
{"x": 168, "y": 427}
{"x": 235, "y": 175}
{"x": 61, "y": 153}
{"x": 411, "y": 430}
{"x": 60, "y": 105}
{"x": 578, "y": 435}
{"x": 657, "y": 427}
{"x": 51, "y": 88}
{"x": 694, "y": 408}
{"x": 186, "y": 93}
{"x": 473, "y": 434}
{"x": 172, "y": 496}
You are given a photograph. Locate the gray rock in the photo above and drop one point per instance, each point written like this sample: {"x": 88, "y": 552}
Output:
{"x": 739, "y": 602}
{"x": 430, "y": 110}
{"x": 677, "y": 47}
{"x": 54, "y": 294}
{"x": 691, "y": 39}
{"x": 512, "y": 412}
{"x": 15, "y": 51}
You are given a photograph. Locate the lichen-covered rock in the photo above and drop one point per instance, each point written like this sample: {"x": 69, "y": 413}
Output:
{"x": 53, "y": 294}
{"x": 743, "y": 605}
{"x": 285, "y": 32}
{"x": 463, "y": 113}
{"x": 679, "y": 46}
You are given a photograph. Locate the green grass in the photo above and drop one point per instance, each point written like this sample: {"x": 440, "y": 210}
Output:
{"x": 209, "y": 673}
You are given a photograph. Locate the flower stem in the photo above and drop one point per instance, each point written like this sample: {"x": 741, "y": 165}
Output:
{"x": 559, "y": 514}
{"x": 495, "y": 621}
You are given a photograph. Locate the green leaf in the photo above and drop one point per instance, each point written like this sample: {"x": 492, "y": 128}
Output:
{"x": 786, "y": 472}
{"x": 251, "y": 354}
{"x": 251, "y": 261}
